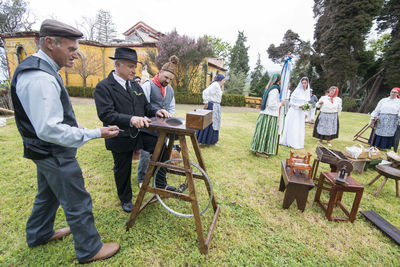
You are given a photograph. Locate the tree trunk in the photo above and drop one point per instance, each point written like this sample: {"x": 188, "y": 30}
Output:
{"x": 370, "y": 97}
{"x": 358, "y": 90}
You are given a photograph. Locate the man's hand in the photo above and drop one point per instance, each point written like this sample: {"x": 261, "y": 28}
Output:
{"x": 163, "y": 114}
{"x": 109, "y": 132}
{"x": 140, "y": 122}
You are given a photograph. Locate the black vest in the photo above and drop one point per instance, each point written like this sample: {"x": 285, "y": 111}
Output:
{"x": 35, "y": 148}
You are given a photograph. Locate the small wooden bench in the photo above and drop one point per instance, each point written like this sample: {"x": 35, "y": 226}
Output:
{"x": 388, "y": 172}
{"x": 296, "y": 187}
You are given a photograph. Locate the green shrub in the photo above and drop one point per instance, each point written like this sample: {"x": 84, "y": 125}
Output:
{"x": 233, "y": 100}
{"x": 79, "y": 91}
{"x": 349, "y": 104}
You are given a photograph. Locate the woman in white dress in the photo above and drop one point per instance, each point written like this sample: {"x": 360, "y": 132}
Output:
{"x": 294, "y": 129}
{"x": 387, "y": 113}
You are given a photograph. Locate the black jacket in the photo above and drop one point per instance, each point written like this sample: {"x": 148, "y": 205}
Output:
{"x": 115, "y": 106}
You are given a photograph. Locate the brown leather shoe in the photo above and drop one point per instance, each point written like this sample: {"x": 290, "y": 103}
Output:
{"x": 60, "y": 234}
{"x": 107, "y": 251}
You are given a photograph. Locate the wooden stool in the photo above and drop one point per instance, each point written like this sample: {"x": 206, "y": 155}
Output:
{"x": 296, "y": 187}
{"x": 388, "y": 172}
{"x": 336, "y": 193}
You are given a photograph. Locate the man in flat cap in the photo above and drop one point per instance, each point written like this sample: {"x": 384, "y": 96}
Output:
{"x": 160, "y": 94}
{"x": 51, "y": 136}
{"x": 122, "y": 102}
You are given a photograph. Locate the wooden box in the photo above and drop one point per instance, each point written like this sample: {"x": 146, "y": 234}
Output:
{"x": 327, "y": 157}
{"x": 198, "y": 119}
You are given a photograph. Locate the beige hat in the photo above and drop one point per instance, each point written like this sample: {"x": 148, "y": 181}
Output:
{"x": 171, "y": 64}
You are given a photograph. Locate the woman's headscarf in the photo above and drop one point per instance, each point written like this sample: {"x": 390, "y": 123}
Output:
{"x": 299, "y": 93}
{"x": 335, "y": 94}
{"x": 398, "y": 90}
{"x": 272, "y": 84}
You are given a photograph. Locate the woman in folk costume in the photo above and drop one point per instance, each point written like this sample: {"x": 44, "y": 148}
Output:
{"x": 212, "y": 96}
{"x": 387, "y": 113}
{"x": 294, "y": 130}
{"x": 326, "y": 126}
{"x": 265, "y": 136}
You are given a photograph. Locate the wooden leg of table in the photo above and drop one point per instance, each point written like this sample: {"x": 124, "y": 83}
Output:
{"x": 397, "y": 188}
{"x": 192, "y": 194}
{"x": 374, "y": 180}
{"x": 381, "y": 186}
{"x": 339, "y": 197}
{"x": 196, "y": 148}
{"x": 331, "y": 204}
{"x": 356, "y": 204}
{"x": 301, "y": 197}
{"x": 282, "y": 185}
{"x": 290, "y": 195}
{"x": 143, "y": 189}
{"x": 319, "y": 188}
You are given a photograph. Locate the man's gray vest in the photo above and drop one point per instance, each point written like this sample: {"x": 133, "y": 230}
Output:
{"x": 35, "y": 148}
{"x": 157, "y": 101}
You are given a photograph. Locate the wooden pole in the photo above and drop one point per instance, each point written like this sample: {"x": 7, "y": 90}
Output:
{"x": 7, "y": 111}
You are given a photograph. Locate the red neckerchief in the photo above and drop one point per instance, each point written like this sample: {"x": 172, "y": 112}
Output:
{"x": 335, "y": 94}
{"x": 157, "y": 82}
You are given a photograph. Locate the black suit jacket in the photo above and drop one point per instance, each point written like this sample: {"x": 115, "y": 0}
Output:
{"x": 115, "y": 106}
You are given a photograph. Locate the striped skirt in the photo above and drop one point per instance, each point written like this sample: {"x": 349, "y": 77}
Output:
{"x": 265, "y": 136}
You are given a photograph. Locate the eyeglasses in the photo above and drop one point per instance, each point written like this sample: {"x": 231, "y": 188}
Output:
{"x": 132, "y": 129}
{"x": 394, "y": 92}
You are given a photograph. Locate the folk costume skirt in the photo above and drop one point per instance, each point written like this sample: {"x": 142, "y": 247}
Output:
{"x": 209, "y": 136}
{"x": 265, "y": 136}
{"x": 326, "y": 126}
{"x": 385, "y": 131}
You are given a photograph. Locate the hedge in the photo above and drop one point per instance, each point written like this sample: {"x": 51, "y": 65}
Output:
{"x": 180, "y": 98}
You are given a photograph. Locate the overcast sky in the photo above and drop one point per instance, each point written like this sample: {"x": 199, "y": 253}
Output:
{"x": 263, "y": 22}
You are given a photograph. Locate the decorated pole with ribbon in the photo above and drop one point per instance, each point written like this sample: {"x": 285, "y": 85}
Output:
{"x": 285, "y": 80}
{"x": 284, "y": 95}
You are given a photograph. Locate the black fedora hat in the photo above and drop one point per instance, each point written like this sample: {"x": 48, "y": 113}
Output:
{"x": 125, "y": 53}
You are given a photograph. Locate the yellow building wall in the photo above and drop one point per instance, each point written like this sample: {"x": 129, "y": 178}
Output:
{"x": 28, "y": 46}
{"x": 98, "y": 61}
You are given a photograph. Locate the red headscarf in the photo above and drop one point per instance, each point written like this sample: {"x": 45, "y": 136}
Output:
{"x": 398, "y": 90}
{"x": 156, "y": 80}
{"x": 335, "y": 94}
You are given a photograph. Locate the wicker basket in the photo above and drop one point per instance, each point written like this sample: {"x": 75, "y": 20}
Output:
{"x": 349, "y": 152}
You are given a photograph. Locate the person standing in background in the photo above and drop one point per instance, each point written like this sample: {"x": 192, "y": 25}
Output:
{"x": 212, "y": 97}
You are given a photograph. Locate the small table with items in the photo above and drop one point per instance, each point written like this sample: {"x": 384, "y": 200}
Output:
{"x": 295, "y": 186}
{"x": 336, "y": 192}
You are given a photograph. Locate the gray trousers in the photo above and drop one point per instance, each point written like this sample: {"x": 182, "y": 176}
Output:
{"x": 144, "y": 161}
{"x": 60, "y": 181}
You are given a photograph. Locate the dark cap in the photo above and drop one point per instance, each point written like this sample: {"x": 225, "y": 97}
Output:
{"x": 125, "y": 53}
{"x": 51, "y": 27}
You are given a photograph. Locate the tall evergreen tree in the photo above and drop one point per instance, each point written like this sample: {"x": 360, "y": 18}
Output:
{"x": 389, "y": 20}
{"x": 104, "y": 27}
{"x": 256, "y": 76}
{"x": 340, "y": 33}
{"x": 239, "y": 58}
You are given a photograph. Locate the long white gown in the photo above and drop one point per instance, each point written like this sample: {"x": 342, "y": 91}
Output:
{"x": 294, "y": 129}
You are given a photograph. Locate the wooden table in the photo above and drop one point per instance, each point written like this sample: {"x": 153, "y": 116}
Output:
{"x": 164, "y": 128}
{"x": 296, "y": 187}
{"x": 388, "y": 172}
{"x": 336, "y": 193}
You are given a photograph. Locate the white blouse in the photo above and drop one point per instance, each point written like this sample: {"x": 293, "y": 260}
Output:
{"x": 328, "y": 106}
{"x": 386, "y": 106}
{"x": 273, "y": 104}
{"x": 212, "y": 93}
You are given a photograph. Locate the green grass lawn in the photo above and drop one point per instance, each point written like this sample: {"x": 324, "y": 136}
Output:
{"x": 252, "y": 228}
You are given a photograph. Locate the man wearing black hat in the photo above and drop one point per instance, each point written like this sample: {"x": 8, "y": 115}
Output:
{"x": 123, "y": 103}
{"x": 50, "y": 133}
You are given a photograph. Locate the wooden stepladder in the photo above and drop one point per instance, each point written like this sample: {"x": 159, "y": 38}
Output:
{"x": 181, "y": 132}
{"x": 365, "y": 140}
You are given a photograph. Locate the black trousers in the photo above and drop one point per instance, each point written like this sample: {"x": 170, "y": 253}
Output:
{"x": 123, "y": 166}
